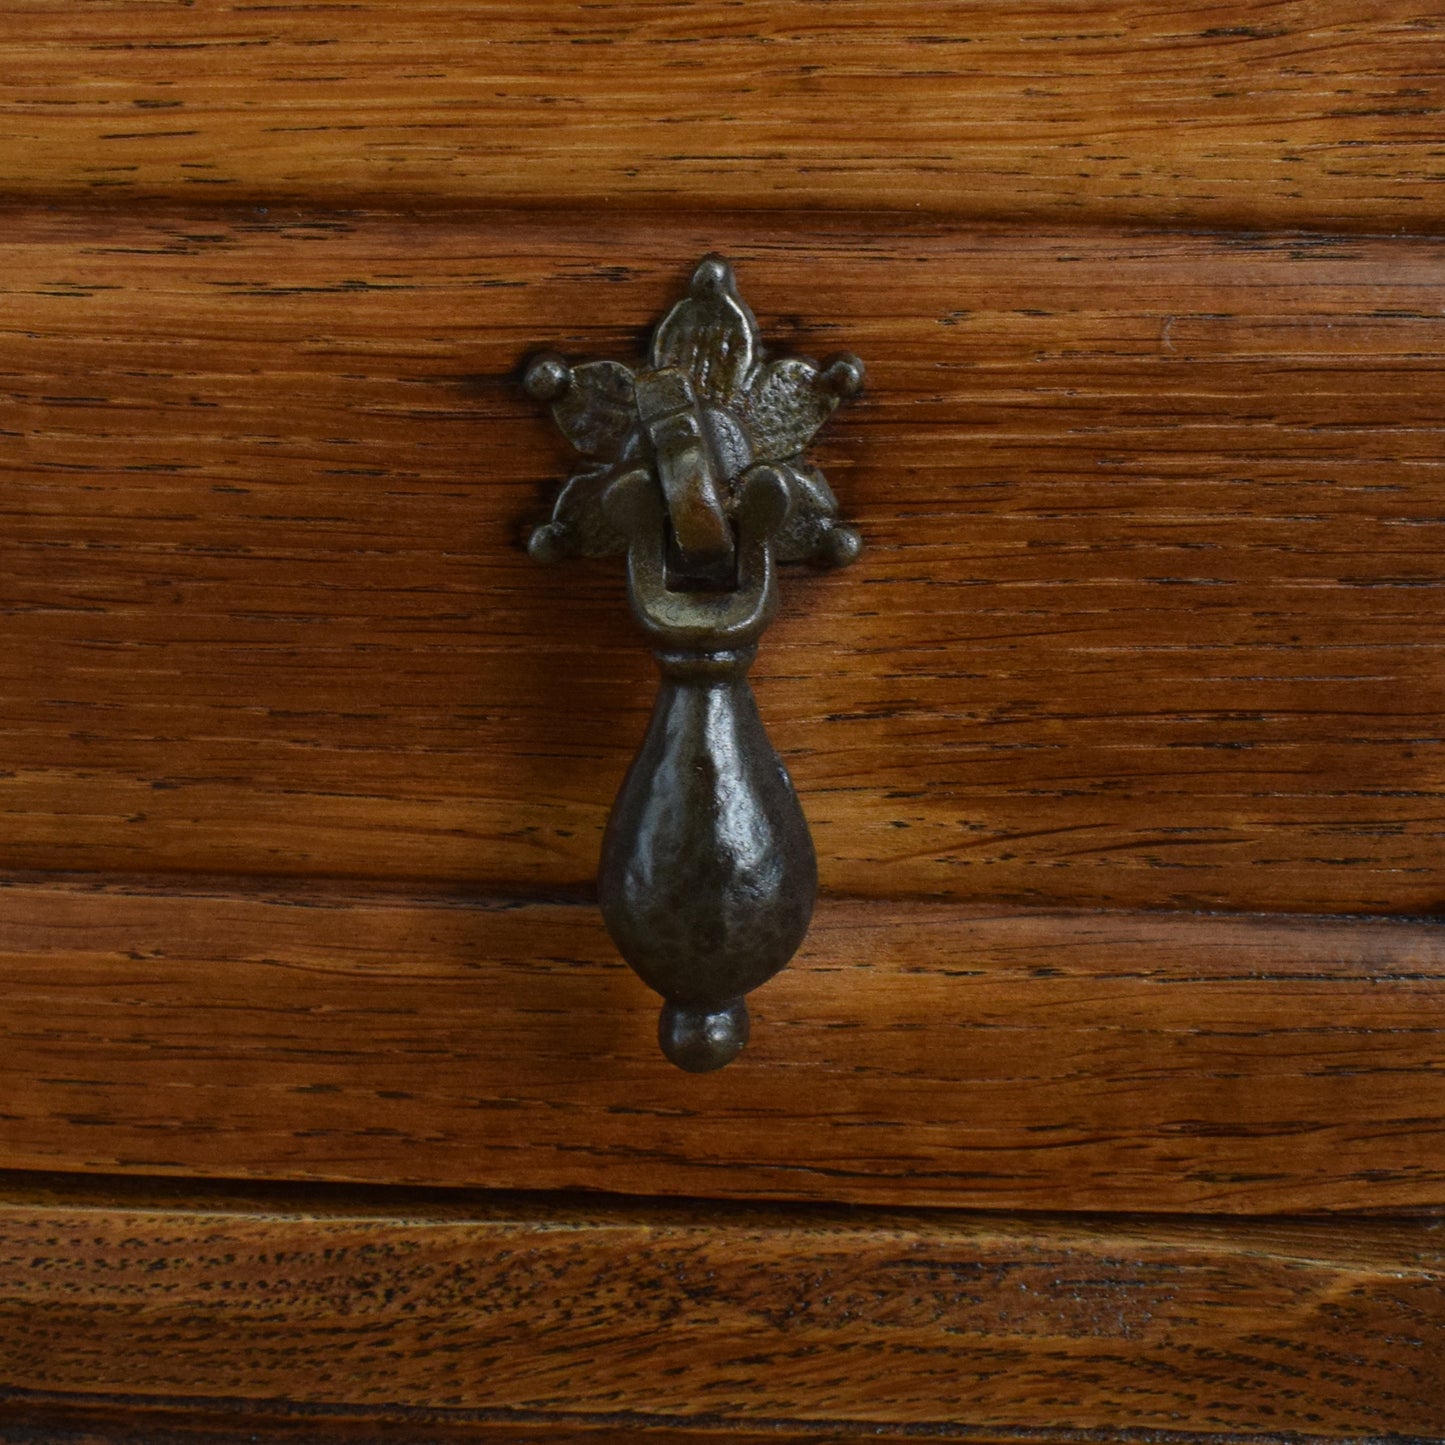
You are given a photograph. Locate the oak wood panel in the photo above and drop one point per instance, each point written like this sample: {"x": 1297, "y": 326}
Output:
{"x": 1257, "y": 113}
{"x": 1292, "y": 1327}
{"x": 732, "y": 1317}
{"x": 911, "y": 1055}
{"x": 1150, "y": 615}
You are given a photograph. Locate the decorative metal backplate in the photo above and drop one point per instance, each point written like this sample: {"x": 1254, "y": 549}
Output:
{"x": 708, "y": 406}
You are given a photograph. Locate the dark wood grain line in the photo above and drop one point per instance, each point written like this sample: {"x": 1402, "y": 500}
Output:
{"x": 40, "y": 1418}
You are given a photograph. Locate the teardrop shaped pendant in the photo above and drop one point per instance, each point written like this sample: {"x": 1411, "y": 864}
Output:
{"x": 708, "y": 874}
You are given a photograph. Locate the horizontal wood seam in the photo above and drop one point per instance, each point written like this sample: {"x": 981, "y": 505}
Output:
{"x": 279, "y": 1411}
{"x": 342, "y": 891}
{"x": 425, "y": 209}
{"x": 99, "y": 1192}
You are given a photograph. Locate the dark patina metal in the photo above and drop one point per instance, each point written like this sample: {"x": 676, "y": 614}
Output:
{"x": 694, "y": 469}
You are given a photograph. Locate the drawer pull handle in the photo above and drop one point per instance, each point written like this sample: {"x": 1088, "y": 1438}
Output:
{"x": 694, "y": 470}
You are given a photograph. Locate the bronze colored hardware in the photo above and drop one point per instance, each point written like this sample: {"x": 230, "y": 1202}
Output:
{"x": 708, "y": 874}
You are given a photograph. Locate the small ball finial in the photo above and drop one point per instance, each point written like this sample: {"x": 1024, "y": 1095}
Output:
{"x": 547, "y": 376}
{"x": 843, "y": 375}
{"x": 712, "y": 276}
{"x": 839, "y": 546}
{"x": 701, "y": 1040}
{"x": 549, "y": 543}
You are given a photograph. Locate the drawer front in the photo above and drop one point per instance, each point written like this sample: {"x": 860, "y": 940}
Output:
{"x": 1121, "y": 744}
{"x": 1148, "y": 618}
{"x": 1147, "y": 623}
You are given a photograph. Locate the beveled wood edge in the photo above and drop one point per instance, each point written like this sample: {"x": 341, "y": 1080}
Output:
{"x": 1327, "y": 1104}
{"x": 1372, "y": 1257}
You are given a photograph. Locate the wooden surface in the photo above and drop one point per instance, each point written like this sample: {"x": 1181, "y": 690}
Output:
{"x": 41, "y": 1419}
{"x": 1149, "y": 616}
{"x": 1149, "y": 621}
{"x": 36, "y": 1418}
{"x": 1258, "y": 114}
{"x": 728, "y": 1317}
{"x": 917, "y": 1055}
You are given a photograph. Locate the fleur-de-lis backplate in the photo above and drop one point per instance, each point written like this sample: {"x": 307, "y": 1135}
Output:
{"x": 694, "y": 468}
{"x": 707, "y": 364}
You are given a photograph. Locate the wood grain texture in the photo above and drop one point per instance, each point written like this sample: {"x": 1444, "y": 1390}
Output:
{"x": 1253, "y": 113}
{"x": 912, "y": 1055}
{"x": 39, "y": 1418}
{"x": 731, "y": 1317}
{"x": 43, "y": 1418}
{"x": 1151, "y": 615}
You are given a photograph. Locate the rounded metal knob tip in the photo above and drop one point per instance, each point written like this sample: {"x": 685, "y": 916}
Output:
{"x": 547, "y": 376}
{"x": 701, "y": 1040}
{"x": 549, "y": 543}
{"x": 840, "y": 546}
